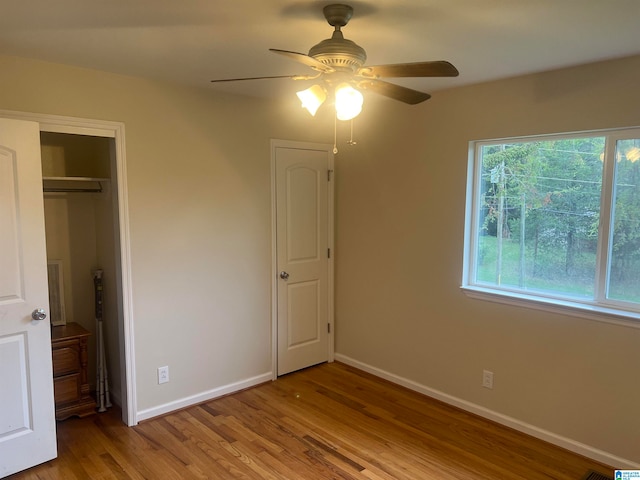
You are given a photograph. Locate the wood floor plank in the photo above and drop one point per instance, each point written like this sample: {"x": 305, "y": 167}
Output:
{"x": 327, "y": 422}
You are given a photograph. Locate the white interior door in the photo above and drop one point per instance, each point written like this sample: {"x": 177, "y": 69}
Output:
{"x": 302, "y": 186}
{"x": 27, "y": 424}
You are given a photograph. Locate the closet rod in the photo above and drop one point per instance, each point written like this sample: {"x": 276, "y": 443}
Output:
{"x": 72, "y": 185}
{"x": 72, "y": 190}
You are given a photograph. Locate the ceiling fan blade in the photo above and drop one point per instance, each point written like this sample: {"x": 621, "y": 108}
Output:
{"x": 305, "y": 59}
{"x": 396, "y": 92}
{"x": 419, "y": 69}
{"x": 293, "y": 77}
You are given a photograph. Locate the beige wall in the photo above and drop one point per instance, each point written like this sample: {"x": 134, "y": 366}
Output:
{"x": 198, "y": 167}
{"x": 400, "y": 225}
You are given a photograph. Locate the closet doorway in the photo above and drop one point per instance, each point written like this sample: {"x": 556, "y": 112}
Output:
{"x": 86, "y": 225}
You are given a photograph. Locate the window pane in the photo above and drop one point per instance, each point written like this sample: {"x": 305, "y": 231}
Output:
{"x": 538, "y": 215}
{"x": 624, "y": 270}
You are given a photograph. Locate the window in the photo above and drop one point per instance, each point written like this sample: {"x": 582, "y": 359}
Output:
{"x": 556, "y": 219}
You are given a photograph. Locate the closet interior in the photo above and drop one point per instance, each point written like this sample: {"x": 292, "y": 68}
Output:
{"x": 81, "y": 224}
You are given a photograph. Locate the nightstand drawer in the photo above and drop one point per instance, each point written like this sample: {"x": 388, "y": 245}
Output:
{"x": 69, "y": 345}
{"x": 66, "y": 389}
{"x": 66, "y": 360}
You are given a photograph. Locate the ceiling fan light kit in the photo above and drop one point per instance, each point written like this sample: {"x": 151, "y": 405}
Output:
{"x": 340, "y": 68}
{"x": 312, "y": 98}
{"x": 348, "y": 102}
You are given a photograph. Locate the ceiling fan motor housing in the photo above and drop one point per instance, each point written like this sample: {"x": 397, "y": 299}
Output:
{"x": 339, "y": 53}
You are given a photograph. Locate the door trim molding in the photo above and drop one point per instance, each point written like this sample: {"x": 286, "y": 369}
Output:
{"x": 276, "y": 143}
{"x": 115, "y": 130}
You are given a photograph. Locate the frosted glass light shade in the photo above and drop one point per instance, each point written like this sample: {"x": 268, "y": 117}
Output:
{"x": 312, "y": 98}
{"x": 348, "y": 102}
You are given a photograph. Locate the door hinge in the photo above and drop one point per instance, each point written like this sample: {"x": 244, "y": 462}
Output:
{"x": 328, "y": 328}
{"x": 328, "y": 253}
{"x": 329, "y": 172}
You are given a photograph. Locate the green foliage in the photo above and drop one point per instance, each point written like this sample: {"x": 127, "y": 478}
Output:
{"x": 541, "y": 212}
{"x": 626, "y": 230}
{"x": 548, "y": 278}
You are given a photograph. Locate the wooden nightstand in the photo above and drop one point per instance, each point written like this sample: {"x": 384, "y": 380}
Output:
{"x": 70, "y": 371}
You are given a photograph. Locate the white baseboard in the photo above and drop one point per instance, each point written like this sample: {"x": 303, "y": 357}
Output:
{"x": 550, "y": 437}
{"x": 203, "y": 397}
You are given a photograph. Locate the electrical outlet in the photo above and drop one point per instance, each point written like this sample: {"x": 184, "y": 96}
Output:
{"x": 487, "y": 379}
{"x": 163, "y": 375}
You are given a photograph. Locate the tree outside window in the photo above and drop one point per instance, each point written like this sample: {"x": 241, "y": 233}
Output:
{"x": 537, "y": 209}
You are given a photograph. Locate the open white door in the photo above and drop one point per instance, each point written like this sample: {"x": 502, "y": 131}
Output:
{"x": 302, "y": 186}
{"x": 27, "y": 423}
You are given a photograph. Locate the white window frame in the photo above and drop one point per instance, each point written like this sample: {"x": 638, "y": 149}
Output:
{"x": 600, "y": 308}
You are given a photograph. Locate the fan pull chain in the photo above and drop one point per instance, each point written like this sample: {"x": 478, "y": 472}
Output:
{"x": 335, "y": 135}
{"x": 351, "y": 141}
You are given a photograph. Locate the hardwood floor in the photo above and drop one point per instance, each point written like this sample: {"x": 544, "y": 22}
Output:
{"x": 326, "y": 422}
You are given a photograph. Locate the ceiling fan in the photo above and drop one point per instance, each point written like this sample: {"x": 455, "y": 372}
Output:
{"x": 340, "y": 69}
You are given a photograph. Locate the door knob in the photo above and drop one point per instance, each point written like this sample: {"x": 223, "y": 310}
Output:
{"x": 39, "y": 314}
{"x": 284, "y": 275}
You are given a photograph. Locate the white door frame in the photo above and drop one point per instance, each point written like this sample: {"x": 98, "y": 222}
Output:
{"x": 115, "y": 130}
{"x": 275, "y": 143}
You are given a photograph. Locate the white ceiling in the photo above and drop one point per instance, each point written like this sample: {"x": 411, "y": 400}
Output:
{"x": 194, "y": 41}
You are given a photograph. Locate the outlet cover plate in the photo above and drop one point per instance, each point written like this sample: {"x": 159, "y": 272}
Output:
{"x": 163, "y": 375}
{"x": 487, "y": 379}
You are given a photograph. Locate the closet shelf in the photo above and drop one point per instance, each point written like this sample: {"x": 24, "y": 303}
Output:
{"x": 73, "y": 184}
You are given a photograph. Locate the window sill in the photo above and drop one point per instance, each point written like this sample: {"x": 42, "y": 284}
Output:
{"x": 564, "y": 307}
